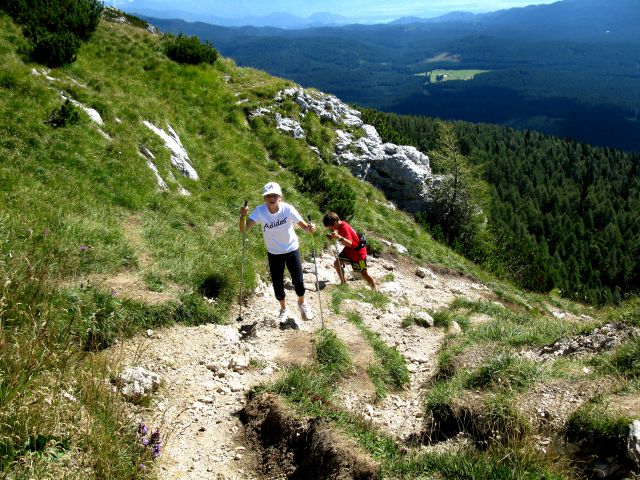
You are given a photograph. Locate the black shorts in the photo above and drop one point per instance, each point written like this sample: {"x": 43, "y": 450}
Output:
{"x": 357, "y": 266}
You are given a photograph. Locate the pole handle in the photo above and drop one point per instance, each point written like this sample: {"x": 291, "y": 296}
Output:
{"x": 244, "y": 219}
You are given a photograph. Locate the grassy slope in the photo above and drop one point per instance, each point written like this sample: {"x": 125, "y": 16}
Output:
{"x": 63, "y": 189}
{"x": 67, "y": 197}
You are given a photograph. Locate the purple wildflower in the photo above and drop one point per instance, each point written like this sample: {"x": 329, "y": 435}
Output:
{"x": 142, "y": 429}
{"x": 155, "y": 452}
{"x": 155, "y": 436}
{"x": 83, "y": 248}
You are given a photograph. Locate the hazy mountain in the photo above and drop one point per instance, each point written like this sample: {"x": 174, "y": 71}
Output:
{"x": 568, "y": 68}
{"x": 592, "y": 20}
{"x": 285, "y": 20}
{"x": 275, "y": 20}
{"x": 449, "y": 17}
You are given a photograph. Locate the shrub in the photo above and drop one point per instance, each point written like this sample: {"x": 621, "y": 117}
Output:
{"x": 67, "y": 114}
{"x": 54, "y": 48}
{"x": 330, "y": 195}
{"x": 55, "y": 28}
{"x": 190, "y": 50}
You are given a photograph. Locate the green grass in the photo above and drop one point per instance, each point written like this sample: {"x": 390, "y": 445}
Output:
{"x": 515, "y": 328}
{"x": 391, "y": 372}
{"x": 497, "y": 463}
{"x": 491, "y": 392}
{"x": 332, "y": 354}
{"x": 624, "y": 361}
{"x": 42, "y": 368}
{"x": 344, "y": 292}
{"x": 505, "y": 372}
{"x": 628, "y": 312}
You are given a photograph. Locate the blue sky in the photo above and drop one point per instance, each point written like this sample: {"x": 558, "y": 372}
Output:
{"x": 357, "y": 9}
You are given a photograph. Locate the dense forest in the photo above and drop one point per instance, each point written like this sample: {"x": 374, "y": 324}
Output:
{"x": 561, "y": 214}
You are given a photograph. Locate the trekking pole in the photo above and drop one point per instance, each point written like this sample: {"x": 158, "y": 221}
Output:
{"x": 335, "y": 245}
{"x": 244, "y": 238}
{"x": 315, "y": 264}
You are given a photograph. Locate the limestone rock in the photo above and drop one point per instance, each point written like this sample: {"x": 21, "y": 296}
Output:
{"x": 425, "y": 318}
{"x": 136, "y": 383}
{"x": 401, "y": 171}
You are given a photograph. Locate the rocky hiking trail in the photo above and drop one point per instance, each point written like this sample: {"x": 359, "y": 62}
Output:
{"x": 207, "y": 370}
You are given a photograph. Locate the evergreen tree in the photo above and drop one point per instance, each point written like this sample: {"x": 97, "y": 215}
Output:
{"x": 457, "y": 196}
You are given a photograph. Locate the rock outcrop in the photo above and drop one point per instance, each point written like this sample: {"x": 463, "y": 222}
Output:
{"x": 400, "y": 171}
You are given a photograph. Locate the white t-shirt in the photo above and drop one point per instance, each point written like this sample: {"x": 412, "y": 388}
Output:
{"x": 277, "y": 228}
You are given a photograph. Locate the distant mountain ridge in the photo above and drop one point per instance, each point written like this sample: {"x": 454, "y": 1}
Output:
{"x": 273, "y": 20}
{"x": 563, "y": 20}
{"x": 569, "y": 68}
{"x": 566, "y": 19}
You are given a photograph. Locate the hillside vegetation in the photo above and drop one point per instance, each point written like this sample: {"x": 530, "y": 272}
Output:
{"x": 82, "y": 213}
{"x": 95, "y": 249}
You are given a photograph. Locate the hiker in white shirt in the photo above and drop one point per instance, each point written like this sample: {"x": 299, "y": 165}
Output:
{"x": 278, "y": 219}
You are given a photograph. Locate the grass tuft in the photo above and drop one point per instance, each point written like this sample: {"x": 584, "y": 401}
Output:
{"x": 332, "y": 354}
{"x": 596, "y": 429}
{"x": 343, "y": 292}
{"x": 391, "y": 373}
{"x": 505, "y": 372}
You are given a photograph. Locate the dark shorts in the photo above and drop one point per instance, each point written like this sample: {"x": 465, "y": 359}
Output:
{"x": 357, "y": 266}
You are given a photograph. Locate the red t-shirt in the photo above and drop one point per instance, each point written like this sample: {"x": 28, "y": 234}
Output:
{"x": 345, "y": 230}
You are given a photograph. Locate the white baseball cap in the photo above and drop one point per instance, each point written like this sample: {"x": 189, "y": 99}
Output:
{"x": 271, "y": 188}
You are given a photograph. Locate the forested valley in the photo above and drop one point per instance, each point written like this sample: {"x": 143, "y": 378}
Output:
{"x": 557, "y": 213}
{"x": 569, "y": 69}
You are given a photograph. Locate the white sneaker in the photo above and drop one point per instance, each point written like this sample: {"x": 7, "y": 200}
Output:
{"x": 282, "y": 316}
{"x": 305, "y": 311}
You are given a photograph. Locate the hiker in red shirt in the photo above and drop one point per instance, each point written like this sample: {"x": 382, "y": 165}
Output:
{"x": 352, "y": 252}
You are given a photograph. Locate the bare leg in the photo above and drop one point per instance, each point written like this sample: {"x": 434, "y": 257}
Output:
{"x": 367, "y": 277}
{"x": 283, "y": 304}
{"x": 338, "y": 266}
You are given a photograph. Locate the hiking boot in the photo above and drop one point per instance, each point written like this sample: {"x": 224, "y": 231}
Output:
{"x": 289, "y": 323}
{"x": 305, "y": 311}
{"x": 282, "y": 316}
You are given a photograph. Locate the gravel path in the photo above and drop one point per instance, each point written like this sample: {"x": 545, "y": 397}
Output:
{"x": 207, "y": 370}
